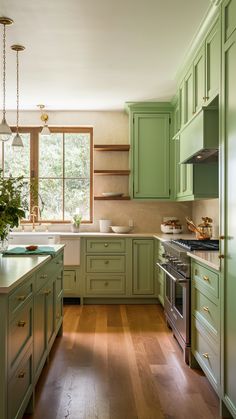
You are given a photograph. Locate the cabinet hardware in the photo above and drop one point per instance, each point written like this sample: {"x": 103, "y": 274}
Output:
{"x": 21, "y": 323}
{"x": 222, "y": 237}
{"x": 221, "y": 256}
{"x": 47, "y": 292}
{"x": 21, "y": 297}
{"x": 44, "y": 276}
{"x": 106, "y": 284}
{"x": 206, "y": 355}
{"x": 106, "y": 262}
{"x": 105, "y": 244}
{"x": 59, "y": 262}
{"x": 21, "y": 374}
{"x": 205, "y": 308}
{"x": 195, "y": 272}
{"x": 206, "y": 278}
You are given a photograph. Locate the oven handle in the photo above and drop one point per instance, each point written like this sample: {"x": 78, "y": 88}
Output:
{"x": 179, "y": 281}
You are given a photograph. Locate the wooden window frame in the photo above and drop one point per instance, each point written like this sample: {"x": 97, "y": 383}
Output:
{"x": 34, "y": 159}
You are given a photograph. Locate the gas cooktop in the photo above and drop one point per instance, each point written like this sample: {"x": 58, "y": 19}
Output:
{"x": 197, "y": 244}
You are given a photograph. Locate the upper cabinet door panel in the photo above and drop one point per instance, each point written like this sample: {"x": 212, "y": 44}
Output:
{"x": 213, "y": 62}
{"x": 151, "y": 155}
{"x": 229, "y": 21}
{"x": 181, "y": 105}
{"x": 188, "y": 96}
{"x": 199, "y": 80}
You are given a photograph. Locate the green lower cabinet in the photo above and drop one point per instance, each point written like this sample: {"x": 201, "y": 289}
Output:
{"x": 159, "y": 274}
{"x": 143, "y": 267}
{"x": 205, "y": 330}
{"x": 71, "y": 282}
{"x": 195, "y": 181}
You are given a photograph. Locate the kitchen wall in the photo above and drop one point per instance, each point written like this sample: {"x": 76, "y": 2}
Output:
{"x": 110, "y": 128}
{"x": 207, "y": 208}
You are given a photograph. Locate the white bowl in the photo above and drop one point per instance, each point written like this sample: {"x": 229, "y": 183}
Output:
{"x": 121, "y": 229}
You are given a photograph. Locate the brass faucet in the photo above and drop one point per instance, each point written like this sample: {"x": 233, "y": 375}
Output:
{"x": 35, "y": 214}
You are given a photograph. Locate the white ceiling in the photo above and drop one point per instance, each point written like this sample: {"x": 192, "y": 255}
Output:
{"x": 98, "y": 54}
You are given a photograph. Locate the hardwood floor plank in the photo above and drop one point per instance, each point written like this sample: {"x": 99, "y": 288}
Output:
{"x": 120, "y": 362}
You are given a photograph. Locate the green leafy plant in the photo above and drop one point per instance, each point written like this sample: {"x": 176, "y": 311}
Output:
{"x": 12, "y": 203}
{"x": 77, "y": 218}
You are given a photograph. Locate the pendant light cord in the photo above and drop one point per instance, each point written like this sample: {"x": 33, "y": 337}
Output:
{"x": 4, "y": 72}
{"x": 17, "y": 92}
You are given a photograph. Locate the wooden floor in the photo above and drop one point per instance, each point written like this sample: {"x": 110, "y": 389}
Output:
{"x": 120, "y": 362}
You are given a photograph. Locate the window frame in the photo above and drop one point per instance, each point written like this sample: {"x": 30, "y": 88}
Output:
{"x": 34, "y": 159}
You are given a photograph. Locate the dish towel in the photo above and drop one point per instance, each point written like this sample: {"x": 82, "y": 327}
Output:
{"x": 19, "y": 251}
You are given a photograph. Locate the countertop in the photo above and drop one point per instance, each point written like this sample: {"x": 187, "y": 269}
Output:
{"x": 13, "y": 271}
{"x": 210, "y": 259}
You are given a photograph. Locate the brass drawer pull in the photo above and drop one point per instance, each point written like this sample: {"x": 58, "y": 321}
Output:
{"x": 21, "y": 374}
{"x": 206, "y": 278}
{"x": 21, "y": 297}
{"x": 106, "y": 284}
{"x": 206, "y": 355}
{"x": 47, "y": 292}
{"x": 21, "y": 323}
{"x": 106, "y": 262}
{"x": 205, "y": 308}
{"x": 106, "y": 244}
{"x": 44, "y": 276}
{"x": 195, "y": 272}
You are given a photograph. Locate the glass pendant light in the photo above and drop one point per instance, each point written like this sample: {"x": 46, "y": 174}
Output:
{"x": 17, "y": 140}
{"x": 5, "y": 130}
{"x": 44, "y": 117}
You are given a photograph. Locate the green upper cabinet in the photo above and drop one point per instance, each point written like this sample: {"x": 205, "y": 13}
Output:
{"x": 212, "y": 53}
{"x": 188, "y": 95}
{"x": 181, "y": 106}
{"x": 199, "y": 80}
{"x": 151, "y": 153}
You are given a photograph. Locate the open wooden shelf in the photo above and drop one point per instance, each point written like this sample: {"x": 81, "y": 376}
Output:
{"x": 112, "y": 172}
{"x": 111, "y": 198}
{"x": 112, "y": 147}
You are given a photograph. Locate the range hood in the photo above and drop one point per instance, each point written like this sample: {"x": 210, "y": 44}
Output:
{"x": 199, "y": 140}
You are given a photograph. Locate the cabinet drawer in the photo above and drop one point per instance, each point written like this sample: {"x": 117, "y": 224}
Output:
{"x": 20, "y": 296}
{"x": 105, "y": 246}
{"x": 20, "y": 332}
{"x": 42, "y": 276}
{"x": 206, "y": 352}
{"x": 59, "y": 283}
{"x": 20, "y": 387}
{"x": 206, "y": 279}
{"x": 105, "y": 285}
{"x": 204, "y": 309}
{"x": 105, "y": 264}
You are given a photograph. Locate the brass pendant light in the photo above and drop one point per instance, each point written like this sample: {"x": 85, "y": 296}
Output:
{"x": 44, "y": 118}
{"x": 17, "y": 140}
{"x": 5, "y": 130}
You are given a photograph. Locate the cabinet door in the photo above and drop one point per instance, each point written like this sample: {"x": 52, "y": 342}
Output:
{"x": 50, "y": 293}
{"x": 143, "y": 282}
{"x": 181, "y": 105}
{"x": 229, "y": 275}
{"x": 183, "y": 175}
{"x": 188, "y": 95}
{"x": 213, "y": 63}
{"x": 151, "y": 156}
{"x": 199, "y": 80}
{"x": 40, "y": 344}
{"x": 70, "y": 282}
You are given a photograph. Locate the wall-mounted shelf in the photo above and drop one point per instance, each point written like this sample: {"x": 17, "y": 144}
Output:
{"x": 111, "y": 198}
{"x": 112, "y": 147}
{"x": 112, "y": 172}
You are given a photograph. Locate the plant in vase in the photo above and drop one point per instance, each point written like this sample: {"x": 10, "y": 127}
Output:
{"x": 76, "y": 221}
{"x": 12, "y": 206}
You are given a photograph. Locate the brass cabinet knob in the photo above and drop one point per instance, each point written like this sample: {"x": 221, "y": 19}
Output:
{"x": 206, "y": 278}
{"x": 206, "y": 355}
{"x": 105, "y": 244}
{"x": 205, "y": 308}
{"x": 221, "y": 256}
{"x": 222, "y": 237}
{"x": 21, "y": 374}
{"x": 21, "y": 323}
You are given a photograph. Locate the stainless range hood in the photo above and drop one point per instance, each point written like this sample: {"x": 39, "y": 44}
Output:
{"x": 199, "y": 140}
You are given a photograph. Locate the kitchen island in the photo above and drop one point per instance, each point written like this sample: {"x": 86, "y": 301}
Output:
{"x": 31, "y": 308}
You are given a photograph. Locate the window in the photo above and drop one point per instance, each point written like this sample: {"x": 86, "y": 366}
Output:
{"x": 58, "y": 171}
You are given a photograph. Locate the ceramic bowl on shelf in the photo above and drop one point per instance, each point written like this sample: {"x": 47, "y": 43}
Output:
{"x": 121, "y": 229}
{"x": 112, "y": 194}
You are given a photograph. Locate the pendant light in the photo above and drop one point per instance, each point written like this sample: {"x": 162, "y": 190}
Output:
{"x": 17, "y": 140}
{"x": 44, "y": 117}
{"x": 5, "y": 130}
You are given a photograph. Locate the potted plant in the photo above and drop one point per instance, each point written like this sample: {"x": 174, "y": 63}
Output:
{"x": 11, "y": 206}
{"x": 77, "y": 218}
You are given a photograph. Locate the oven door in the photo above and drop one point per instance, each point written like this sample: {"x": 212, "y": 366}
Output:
{"x": 176, "y": 302}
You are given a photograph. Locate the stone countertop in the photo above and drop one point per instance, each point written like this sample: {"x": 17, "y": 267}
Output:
{"x": 160, "y": 236}
{"x": 210, "y": 259}
{"x": 14, "y": 269}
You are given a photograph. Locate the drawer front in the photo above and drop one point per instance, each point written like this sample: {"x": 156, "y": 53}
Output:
{"x": 42, "y": 276}
{"x": 20, "y": 332}
{"x": 57, "y": 262}
{"x": 20, "y": 296}
{"x": 204, "y": 308}
{"x": 105, "y": 285}
{"x": 20, "y": 387}
{"x": 59, "y": 283}
{"x": 206, "y": 352}
{"x": 105, "y": 264}
{"x": 105, "y": 246}
{"x": 206, "y": 279}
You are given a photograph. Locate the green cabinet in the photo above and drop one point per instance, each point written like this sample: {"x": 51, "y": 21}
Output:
{"x": 205, "y": 309}
{"x": 71, "y": 286}
{"x": 228, "y": 226}
{"x": 159, "y": 274}
{"x": 199, "y": 80}
{"x": 212, "y": 53}
{"x": 188, "y": 95}
{"x": 143, "y": 269}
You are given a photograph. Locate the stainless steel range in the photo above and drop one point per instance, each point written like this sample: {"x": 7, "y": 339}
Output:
{"x": 177, "y": 270}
